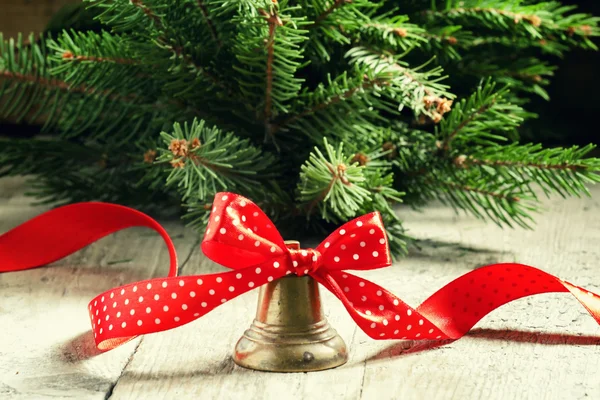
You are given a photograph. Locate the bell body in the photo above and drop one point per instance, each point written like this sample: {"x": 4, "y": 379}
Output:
{"x": 290, "y": 332}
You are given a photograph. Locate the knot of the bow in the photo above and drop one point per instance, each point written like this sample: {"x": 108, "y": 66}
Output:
{"x": 305, "y": 261}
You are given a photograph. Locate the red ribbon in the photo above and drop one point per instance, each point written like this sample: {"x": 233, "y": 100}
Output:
{"x": 241, "y": 237}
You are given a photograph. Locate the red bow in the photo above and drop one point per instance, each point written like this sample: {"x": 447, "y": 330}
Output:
{"x": 241, "y": 237}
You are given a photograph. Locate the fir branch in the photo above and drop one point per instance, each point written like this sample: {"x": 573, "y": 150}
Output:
{"x": 209, "y": 22}
{"x": 322, "y": 16}
{"x": 273, "y": 21}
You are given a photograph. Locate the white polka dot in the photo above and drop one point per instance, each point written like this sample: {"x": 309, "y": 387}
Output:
{"x": 115, "y": 304}
{"x": 141, "y": 299}
{"x": 368, "y": 312}
{"x": 272, "y": 249}
{"x": 223, "y": 300}
{"x": 239, "y": 276}
{"x": 304, "y": 253}
{"x": 257, "y": 270}
{"x": 166, "y": 308}
{"x": 95, "y": 303}
{"x": 244, "y": 218}
{"x": 149, "y": 286}
{"x": 126, "y": 301}
{"x": 314, "y": 257}
{"x": 275, "y": 264}
{"x": 250, "y": 284}
{"x": 381, "y": 307}
{"x": 217, "y": 218}
{"x": 219, "y": 279}
{"x": 437, "y": 337}
{"x": 148, "y": 310}
{"x": 157, "y": 321}
{"x": 101, "y": 331}
{"x": 420, "y": 322}
{"x": 236, "y": 222}
{"x": 336, "y": 259}
{"x": 255, "y": 213}
{"x": 192, "y": 294}
{"x": 176, "y": 319}
{"x": 373, "y": 325}
{"x": 96, "y": 312}
{"x": 107, "y": 317}
{"x": 132, "y": 311}
{"x": 222, "y": 231}
{"x": 139, "y": 322}
{"x": 211, "y": 292}
{"x": 164, "y": 284}
{"x": 270, "y": 279}
{"x": 353, "y": 235}
{"x": 184, "y": 307}
{"x": 240, "y": 237}
{"x": 99, "y": 321}
{"x": 409, "y": 312}
{"x": 396, "y": 302}
{"x": 346, "y": 289}
{"x": 122, "y": 292}
{"x": 343, "y": 247}
{"x": 203, "y": 304}
{"x": 431, "y": 330}
{"x": 231, "y": 288}
{"x": 379, "y": 293}
{"x": 397, "y": 318}
{"x": 196, "y": 314}
{"x": 173, "y": 295}
{"x": 295, "y": 263}
{"x": 243, "y": 203}
{"x": 112, "y": 295}
{"x": 102, "y": 299}
{"x": 305, "y": 272}
{"x": 199, "y": 282}
{"x": 372, "y": 231}
{"x": 364, "y": 298}
{"x": 362, "y": 244}
{"x": 385, "y": 322}
{"x": 257, "y": 243}
{"x": 224, "y": 198}
{"x": 409, "y": 327}
{"x": 104, "y": 308}
{"x": 344, "y": 276}
{"x": 342, "y": 231}
{"x": 361, "y": 284}
{"x": 110, "y": 327}
{"x": 327, "y": 244}
{"x": 156, "y": 297}
{"x": 124, "y": 324}
{"x": 181, "y": 283}
{"x": 355, "y": 256}
{"x": 396, "y": 332}
{"x": 375, "y": 253}
{"x": 382, "y": 241}
{"x": 359, "y": 223}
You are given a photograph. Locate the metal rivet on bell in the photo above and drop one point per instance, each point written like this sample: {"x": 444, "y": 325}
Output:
{"x": 290, "y": 332}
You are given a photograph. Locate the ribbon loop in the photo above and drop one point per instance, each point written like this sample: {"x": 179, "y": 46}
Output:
{"x": 305, "y": 261}
{"x": 241, "y": 237}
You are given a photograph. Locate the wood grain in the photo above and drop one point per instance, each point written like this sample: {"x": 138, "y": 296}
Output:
{"x": 542, "y": 347}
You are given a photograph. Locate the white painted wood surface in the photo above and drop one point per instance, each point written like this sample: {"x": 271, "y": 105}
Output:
{"x": 541, "y": 347}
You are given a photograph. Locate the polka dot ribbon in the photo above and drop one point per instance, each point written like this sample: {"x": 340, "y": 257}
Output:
{"x": 241, "y": 237}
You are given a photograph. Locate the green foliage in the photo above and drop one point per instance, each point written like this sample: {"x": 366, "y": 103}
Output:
{"x": 319, "y": 110}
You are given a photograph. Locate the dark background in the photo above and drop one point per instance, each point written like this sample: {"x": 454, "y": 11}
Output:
{"x": 571, "y": 116}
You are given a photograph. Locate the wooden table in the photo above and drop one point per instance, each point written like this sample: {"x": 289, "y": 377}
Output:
{"x": 542, "y": 347}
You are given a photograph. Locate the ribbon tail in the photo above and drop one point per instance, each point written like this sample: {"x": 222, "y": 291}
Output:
{"x": 65, "y": 230}
{"x": 454, "y": 309}
{"x": 161, "y": 304}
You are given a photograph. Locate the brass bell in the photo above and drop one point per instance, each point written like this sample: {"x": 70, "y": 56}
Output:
{"x": 290, "y": 332}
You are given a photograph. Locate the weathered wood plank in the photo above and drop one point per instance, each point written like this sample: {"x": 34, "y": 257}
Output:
{"x": 539, "y": 347}
{"x": 46, "y": 346}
